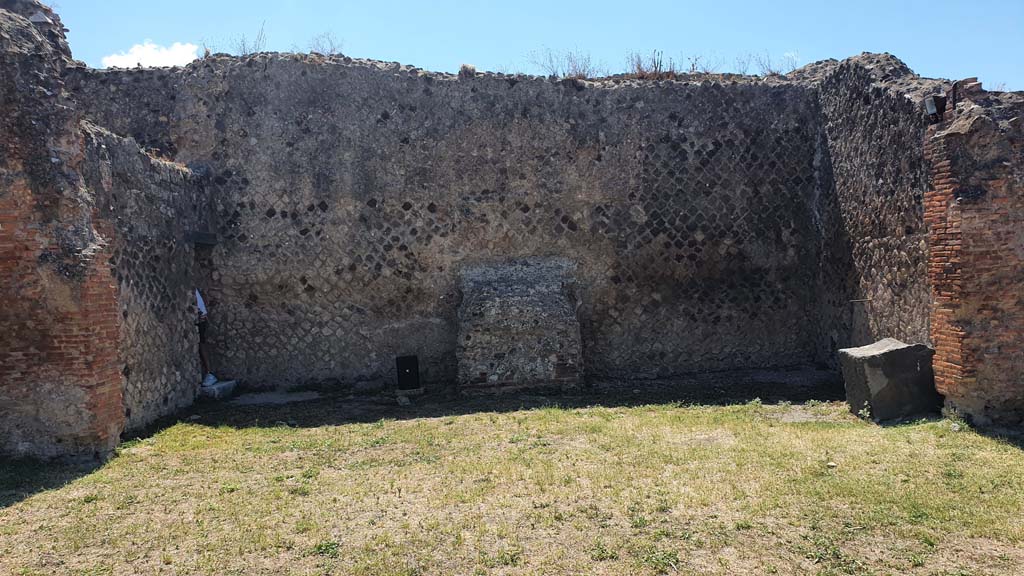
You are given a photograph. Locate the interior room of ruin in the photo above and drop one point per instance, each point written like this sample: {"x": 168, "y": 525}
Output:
{"x": 508, "y": 231}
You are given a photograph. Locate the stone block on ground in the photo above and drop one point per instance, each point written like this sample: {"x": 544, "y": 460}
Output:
{"x": 220, "y": 390}
{"x": 889, "y": 380}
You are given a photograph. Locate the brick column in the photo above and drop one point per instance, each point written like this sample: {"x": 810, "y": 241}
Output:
{"x": 974, "y": 211}
{"x": 60, "y": 382}
{"x": 943, "y": 218}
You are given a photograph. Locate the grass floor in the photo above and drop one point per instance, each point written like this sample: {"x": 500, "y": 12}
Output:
{"x": 656, "y": 489}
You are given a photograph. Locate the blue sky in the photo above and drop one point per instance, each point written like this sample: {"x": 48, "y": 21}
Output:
{"x": 943, "y": 38}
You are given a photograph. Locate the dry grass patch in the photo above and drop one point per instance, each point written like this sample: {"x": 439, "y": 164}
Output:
{"x": 666, "y": 489}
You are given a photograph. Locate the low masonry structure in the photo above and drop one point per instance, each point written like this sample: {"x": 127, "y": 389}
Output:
{"x": 518, "y": 326}
{"x": 354, "y": 211}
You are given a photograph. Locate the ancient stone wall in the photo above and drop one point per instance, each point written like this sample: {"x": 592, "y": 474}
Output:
{"x": 60, "y": 384}
{"x": 350, "y": 193}
{"x": 147, "y": 209}
{"x": 975, "y": 212}
{"x": 96, "y": 270}
{"x": 711, "y": 223}
{"x": 142, "y": 102}
{"x": 874, "y": 239}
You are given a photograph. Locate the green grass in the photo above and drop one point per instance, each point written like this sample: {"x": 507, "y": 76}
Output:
{"x": 665, "y": 489}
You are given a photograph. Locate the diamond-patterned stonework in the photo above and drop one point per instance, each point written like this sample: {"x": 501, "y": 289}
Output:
{"x": 711, "y": 222}
{"x": 348, "y": 196}
{"x": 702, "y": 216}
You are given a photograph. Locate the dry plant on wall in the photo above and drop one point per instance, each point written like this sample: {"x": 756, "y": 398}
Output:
{"x": 245, "y": 47}
{"x": 790, "y": 62}
{"x": 569, "y": 64}
{"x": 770, "y": 67}
{"x": 508, "y": 70}
{"x": 651, "y": 66}
{"x": 742, "y": 64}
{"x": 700, "y": 64}
{"x": 326, "y": 44}
{"x": 655, "y": 66}
{"x": 765, "y": 65}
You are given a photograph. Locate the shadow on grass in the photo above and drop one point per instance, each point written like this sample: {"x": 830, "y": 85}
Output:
{"x": 20, "y": 479}
{"x": 336, "y": 407}
{"x": 23, "y": 477}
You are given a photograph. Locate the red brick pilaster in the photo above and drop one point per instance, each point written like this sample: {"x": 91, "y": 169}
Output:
{"x": 942, "y": 216}
{"x": 974, "y": 211}
{"x": 60, "y": 380}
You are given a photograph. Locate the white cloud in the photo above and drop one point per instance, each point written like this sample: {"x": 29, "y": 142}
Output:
{"x": 150, "y": 54}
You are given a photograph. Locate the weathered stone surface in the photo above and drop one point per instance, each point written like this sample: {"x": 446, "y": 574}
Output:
{"x": 875, "y": 252}
{"x": 975, "y": 212}
{"x": 145, "y": 208}
{"x": 518, "y": 326}
{"x": 94, "y": 278}
{"x": 687, "y": 206}
{"x": 60, "y": 383}
{"x": 889, "y": 380}
{"x": 218, "y": 391}
{"x": 373, "y": 386}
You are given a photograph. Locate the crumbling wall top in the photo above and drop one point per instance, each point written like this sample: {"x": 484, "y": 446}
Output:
{"x": 45, "y": 20}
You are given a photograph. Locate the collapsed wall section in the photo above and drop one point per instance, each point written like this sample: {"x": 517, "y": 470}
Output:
{"x": 349, "y": 194}
{"x": 137, "y": 104}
